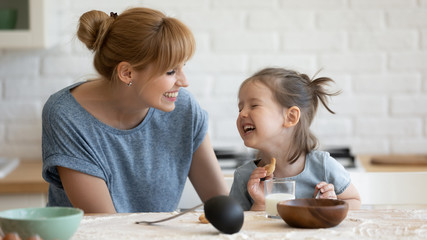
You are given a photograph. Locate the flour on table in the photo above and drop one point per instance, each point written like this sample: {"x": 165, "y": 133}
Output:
{"x": 359, "y": 225}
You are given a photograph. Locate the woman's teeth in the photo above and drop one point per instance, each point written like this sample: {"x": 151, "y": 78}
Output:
{"x": 171, "y": 94}
{"x": 248, "y": 128}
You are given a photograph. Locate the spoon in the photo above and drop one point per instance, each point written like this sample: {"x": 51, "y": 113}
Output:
{"x": 172, "y": 217}
{"x": 317, "y": 194}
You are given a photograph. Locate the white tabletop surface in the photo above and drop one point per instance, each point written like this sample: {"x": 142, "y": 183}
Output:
{"x": 359, "y": 224}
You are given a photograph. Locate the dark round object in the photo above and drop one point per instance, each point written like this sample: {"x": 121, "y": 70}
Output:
{"x": 225, "y": 214}
{"x": 313, "y": 213}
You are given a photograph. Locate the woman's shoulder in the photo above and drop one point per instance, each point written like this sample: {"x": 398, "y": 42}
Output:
{"x": 59, "y": 95}
{"x": 186, "y": 106}
{"x": 61, "y": 102}
{"x": 186, "y": 98}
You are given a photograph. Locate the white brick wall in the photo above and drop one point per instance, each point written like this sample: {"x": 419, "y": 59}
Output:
{"x": 279, "y": 20}
{"x": 424, "y": 39}
{"x": 376, "y": 50}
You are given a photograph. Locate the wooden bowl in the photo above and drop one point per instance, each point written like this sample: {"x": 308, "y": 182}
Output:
{"x": 312, "y": 213}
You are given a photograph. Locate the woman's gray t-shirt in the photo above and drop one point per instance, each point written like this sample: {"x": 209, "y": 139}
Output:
{"x": 145, "y": 168}
{"x": 319, "y": 166}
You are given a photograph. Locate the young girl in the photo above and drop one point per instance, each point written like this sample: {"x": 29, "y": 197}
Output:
{"x": 276, "y": 109}
{"x": 127, "y": 140}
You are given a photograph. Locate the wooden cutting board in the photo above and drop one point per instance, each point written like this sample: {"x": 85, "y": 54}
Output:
{"x": 399, "y": 159}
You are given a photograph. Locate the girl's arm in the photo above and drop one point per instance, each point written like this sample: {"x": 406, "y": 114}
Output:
{"x": 350, "y": 194}
{"x": 86, "y": 192}
{"x": 205, "y": 173}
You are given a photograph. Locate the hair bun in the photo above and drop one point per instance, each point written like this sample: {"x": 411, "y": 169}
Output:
{"x": 93, "y": 27}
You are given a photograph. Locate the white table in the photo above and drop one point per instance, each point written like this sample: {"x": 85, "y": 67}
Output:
{"x": 360, "y": 224}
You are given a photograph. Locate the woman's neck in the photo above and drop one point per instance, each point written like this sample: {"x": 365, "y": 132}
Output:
{"x": 110, "y": 103}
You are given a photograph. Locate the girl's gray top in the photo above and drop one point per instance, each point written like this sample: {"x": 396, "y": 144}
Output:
{"x": 319, "y": 166}
{"x": 145, "y": 168}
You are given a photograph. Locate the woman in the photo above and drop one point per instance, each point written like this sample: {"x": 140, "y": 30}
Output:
{"x": 126, "y": 141}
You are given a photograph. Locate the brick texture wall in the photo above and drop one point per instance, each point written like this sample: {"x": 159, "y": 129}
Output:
{"x": 375, "y": 50}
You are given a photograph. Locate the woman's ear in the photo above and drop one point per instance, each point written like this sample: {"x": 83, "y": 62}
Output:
{"x": 124, "y": 72}
{"x": 291, "y": 116}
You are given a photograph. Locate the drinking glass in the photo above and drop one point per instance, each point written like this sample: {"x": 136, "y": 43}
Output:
{"x": 276, "y": 190}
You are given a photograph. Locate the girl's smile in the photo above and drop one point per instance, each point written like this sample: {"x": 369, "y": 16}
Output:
{"x": 248, "y": 128}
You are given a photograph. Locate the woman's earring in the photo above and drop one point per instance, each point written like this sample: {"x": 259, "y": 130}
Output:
{"x": 130, "y": 83}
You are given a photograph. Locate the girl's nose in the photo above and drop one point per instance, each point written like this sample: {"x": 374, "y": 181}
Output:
{"x": 243, "y": 113}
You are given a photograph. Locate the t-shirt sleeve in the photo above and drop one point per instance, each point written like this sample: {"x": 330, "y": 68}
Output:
{"x": 200, "y": 120}
{"x": 62, "y": 146}
{"x": 337, "y": 175}
{"x": 239, "y": 191}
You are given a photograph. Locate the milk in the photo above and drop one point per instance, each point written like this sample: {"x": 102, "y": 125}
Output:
{"x": 272, "y": 200}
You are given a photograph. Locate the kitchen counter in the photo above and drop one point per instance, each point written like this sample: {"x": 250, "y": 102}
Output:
{"x": 26, "y": 182}
{"x": 26, "y": 178}
{"x": 393, "y": 163}
{"x": 359, "y": 224}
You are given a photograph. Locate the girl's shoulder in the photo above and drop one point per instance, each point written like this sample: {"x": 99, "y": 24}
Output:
{"x": 246, "y": 169}
{"x": 320, "y": 159}
{"x": 317, "y": 159}
{"x": 248, "y": 165}
{"x": 318, "y": 155}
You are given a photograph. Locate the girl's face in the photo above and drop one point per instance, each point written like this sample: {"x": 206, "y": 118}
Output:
{"x": 160, "y": 92}
{"x": 261, "y": 117}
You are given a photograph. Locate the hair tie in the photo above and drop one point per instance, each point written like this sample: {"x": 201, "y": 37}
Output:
{"x": 113, "y": 14}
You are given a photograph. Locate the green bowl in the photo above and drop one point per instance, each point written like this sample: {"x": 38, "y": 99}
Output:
{"x": 49, "y": 222}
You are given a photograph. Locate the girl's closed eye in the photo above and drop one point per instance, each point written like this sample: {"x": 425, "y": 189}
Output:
{"x": 240, "y": 107}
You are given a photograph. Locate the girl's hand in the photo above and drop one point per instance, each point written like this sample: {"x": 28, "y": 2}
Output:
{"x": 325, "y": 190}
{"x": 256, "y": 188}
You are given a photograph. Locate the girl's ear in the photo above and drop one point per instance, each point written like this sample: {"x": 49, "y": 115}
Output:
{"x": 124, "y": 72}
{"x": 291, "y": 116}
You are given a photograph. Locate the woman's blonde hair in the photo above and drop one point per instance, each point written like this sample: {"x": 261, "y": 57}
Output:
{"x": 291, "y": 88}
{"x": 139, "y": 36}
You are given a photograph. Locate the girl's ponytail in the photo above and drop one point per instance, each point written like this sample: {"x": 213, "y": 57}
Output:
{"x": 319, "y": 92}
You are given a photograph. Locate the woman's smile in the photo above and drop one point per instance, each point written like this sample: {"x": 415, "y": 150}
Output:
{"x": 171, "y": 96}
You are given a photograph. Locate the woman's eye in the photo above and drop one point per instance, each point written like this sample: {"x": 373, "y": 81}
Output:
{"x": 171, "y": 72}
{"x": 253, "y": 106}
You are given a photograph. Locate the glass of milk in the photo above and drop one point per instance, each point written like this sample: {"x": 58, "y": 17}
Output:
{"x": 276, "y": 190}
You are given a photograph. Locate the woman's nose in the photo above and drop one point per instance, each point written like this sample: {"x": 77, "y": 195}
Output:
{"x": 181, "y": 79}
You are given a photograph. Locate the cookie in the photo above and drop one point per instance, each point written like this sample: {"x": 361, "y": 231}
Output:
{"x": 270, "y": 167}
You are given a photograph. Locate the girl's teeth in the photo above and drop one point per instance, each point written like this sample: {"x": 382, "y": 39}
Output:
{"x": 171, "y": 94}
{"x": 248, "y": 128}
